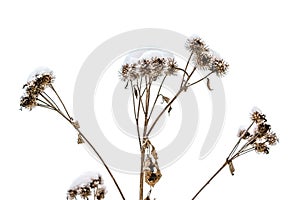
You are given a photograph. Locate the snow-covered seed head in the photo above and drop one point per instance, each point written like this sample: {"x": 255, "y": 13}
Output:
{"x": 196, "y": 45}
{"x": 257, "y": 116}
{"x": 203, "y": 60}
{"x": 36, "y": 84}
{"x": 151, "y": 68}
{"x": 87, "y": 185}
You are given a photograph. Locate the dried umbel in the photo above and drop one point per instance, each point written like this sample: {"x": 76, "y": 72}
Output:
{"x": 34, "y": 88}
{"x": 152, "y": 69}
{"x": 258, "y": 138}
{"x": 261, "y": 137}
{"x": 87, "y": 186}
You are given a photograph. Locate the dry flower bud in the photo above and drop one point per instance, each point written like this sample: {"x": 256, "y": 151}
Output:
{"x": 85, "y": 192}
{"x": 243, "y": 134}
{"x": 100, "y": 193}
{"x": 220, "y": 67}
{"x": 72, "y": 193}
{"x": 257, "y": 116}
{"x": 196, "y": 45}
{"x": 203, "y": 60}
{"x": 272, "y": 139}
{"x": 261, "y": 147}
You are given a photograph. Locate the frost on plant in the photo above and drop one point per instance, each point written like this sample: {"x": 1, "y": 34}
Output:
{"x": 139, "y": 75}
{"x": 87, "y": 186}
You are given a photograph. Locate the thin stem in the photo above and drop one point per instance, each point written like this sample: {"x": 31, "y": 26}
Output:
{"x": 95, "y": 151}
{"x": 51, "y": 86}
{"x": 49, "y": 100}
{"x": 231, "y": 157}
{"x": 51, "y": 103}
{"x": 44, "y": 102}
{"x": 142, "y": 172}
{"x": 140, "y": 99}
{"x": 106, "y": 167}
{"x": 135, "y": 115}
{"x": 238, "y": 154}
{"x": 173, "y": 99}
{"x": 162, "y": 112}
{"x": 186, "y": 66}
{"x": 194, "y": 69}
{"x": 239, "y": 141}
{"x": 177, "y": 68}
{"x": 45, "y": 106}
{"x": 69, "y": 119}
{"x": 147, "y": 100}
{"x": 201, "y": 79}
{"x": 158, "y": 94}
{"x": 220, "y": 169}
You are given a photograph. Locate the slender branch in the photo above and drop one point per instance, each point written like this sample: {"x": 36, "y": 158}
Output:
{"x": 49, "y": 100}
{"x": 164, "y": 110}
{"x": 231, "y": 157}
{"x": 45, "y": 106}
{"x": 173, "y": 99}
{"x": 158, "y": 94}
{"x": 147, "y": 100}
{"x": 51, "y": 86}
{"x": 177, "y": 68}
{"x": 69, "y": 119}
{"x": 186, "y": 66}
{"x": 238, "y": 154}
{"x": 239, "y": 141}
{"x": 201, "y": 79}
{"x": 220, "y": 169}
{"x": 140, "y": 99}
{"x": 135, "y": 115}
{"x": 44, "y": 102}
{"x": 142, "y": 173}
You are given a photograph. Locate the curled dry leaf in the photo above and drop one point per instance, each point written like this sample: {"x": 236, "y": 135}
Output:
{"x": 208, "y": 84}
{"x": 165, "y": 99}
{"x": 169, "y": 110}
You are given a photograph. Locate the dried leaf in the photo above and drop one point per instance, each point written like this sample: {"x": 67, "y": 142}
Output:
{"x": 208, "y": 84}
{"x": 170, "y": 110}
{"x": 151, "y": 178}
{"x": 165, "y": 99}
{"x": 231, "y": 168}
{"x": 80, "y": 139}
{"x": 154, "y": 154}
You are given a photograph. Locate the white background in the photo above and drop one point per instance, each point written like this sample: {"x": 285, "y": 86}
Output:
{"x": 260, "y": 40}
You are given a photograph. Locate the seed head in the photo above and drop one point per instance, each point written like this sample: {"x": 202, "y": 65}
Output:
{"x": 196, "y": 45}
{"x": 220, "y": 67}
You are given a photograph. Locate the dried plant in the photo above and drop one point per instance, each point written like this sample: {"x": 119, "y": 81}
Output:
{"x": 87, "y": 185}
{"x": 139, "y": 78}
